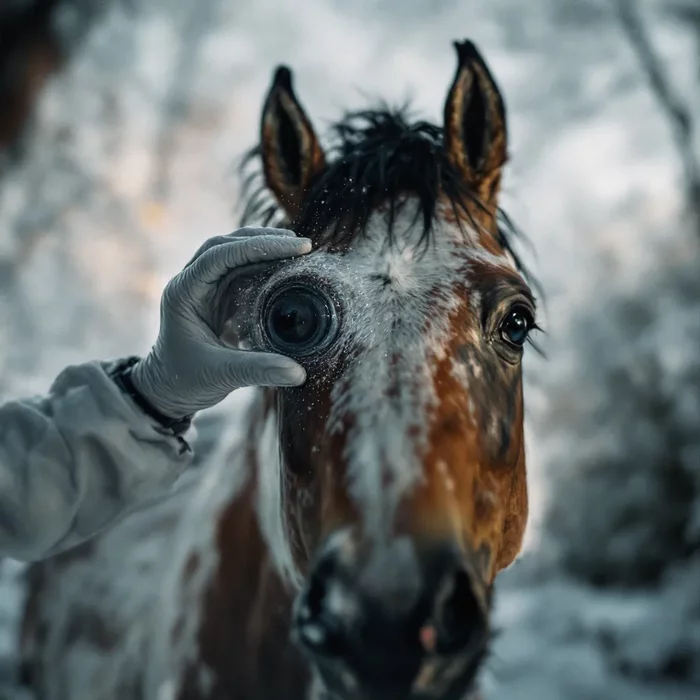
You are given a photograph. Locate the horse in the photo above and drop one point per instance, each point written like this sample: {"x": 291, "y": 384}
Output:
{"x": 344, "y": 543}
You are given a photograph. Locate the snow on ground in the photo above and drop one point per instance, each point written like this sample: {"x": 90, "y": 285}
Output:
{"x": 130, "y": 168}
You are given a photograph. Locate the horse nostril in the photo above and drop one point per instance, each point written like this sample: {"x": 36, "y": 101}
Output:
{"x": 460, "y": 618}
{"x": 315, "y": 595}
{"x": 319, "y": 624}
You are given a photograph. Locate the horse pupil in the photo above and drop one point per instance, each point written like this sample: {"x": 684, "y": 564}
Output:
{"x": 517, "y": 328}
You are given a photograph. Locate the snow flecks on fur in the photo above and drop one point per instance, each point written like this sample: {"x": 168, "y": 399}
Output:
{"x": 387, "y": 390}
{"x": 398, "y": 299}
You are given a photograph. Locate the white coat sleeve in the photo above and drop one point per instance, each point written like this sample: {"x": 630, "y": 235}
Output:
{"x": 74, "y": 461}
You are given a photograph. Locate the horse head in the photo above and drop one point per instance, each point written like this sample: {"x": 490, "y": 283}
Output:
{"x": 398, "y": 491}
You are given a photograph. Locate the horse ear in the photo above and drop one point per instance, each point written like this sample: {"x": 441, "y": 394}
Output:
{"x": 291, "y": 152}
{"x": 475, "y": 137}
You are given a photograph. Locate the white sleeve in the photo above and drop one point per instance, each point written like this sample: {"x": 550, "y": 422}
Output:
{"x": 75, "y": 460}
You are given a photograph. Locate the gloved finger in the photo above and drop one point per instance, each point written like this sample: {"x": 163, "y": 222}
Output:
{"x": 248, "y": 231}
{"x": 254, "y": 368}
{"x": 245, "y": 232}
{"x": 218, "y": 261}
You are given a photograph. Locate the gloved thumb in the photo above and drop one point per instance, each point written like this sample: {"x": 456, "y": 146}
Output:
{"x": 250, "y": 368}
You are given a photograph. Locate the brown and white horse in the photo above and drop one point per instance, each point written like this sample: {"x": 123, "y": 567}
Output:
{"x": 345, "y": 544}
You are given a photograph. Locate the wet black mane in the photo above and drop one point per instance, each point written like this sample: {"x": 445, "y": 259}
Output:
{"x": 374, "y": 158}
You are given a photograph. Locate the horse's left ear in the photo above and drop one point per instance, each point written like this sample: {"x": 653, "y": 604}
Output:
{"x": 291, "y": 152}
{"x": 475, "y": 124}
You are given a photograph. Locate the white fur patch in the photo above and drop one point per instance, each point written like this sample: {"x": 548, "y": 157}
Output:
{"x": 397, "y": 321}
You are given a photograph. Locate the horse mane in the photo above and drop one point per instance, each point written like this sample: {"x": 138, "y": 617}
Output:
{"x": 375, "y": 157}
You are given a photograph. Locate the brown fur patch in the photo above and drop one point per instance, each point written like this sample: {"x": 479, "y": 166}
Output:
{"x": 246, "y": 608}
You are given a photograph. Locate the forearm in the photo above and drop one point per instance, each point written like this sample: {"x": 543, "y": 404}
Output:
{"x": 75, "y": 460}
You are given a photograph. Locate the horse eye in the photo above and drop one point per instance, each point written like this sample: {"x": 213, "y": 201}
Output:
{"x": 516, "y": 326}
{"x": 298, "y": 320}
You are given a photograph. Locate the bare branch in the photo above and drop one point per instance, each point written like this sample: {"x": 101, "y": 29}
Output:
{"x": 677, "y": 111}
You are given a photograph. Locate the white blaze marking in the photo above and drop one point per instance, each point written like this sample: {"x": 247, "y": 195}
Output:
{"x": 406, "y": 295}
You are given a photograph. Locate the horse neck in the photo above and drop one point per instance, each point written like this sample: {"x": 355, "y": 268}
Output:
{"x": 248, "y": 608}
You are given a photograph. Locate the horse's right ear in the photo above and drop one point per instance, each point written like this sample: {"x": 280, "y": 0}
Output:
{"x": 291, "y": 152}
{"x": 476, "y": 139}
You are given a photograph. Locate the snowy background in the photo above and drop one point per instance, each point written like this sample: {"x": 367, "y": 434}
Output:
{"x": 129, "y": 164}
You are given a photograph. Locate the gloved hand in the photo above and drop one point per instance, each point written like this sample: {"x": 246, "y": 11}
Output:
{"x": 189, "y": 368}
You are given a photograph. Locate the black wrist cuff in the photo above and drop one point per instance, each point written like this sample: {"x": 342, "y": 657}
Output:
{"x": 121, "y": 374}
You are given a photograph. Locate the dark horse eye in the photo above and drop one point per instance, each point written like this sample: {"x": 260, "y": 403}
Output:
{"x": 298, "y": 320}
{"x": 516, "y": 326}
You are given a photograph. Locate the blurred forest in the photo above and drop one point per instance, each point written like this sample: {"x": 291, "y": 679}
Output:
{"x": 121, "y": 122}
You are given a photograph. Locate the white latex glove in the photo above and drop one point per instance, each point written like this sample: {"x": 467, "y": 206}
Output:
{"x": 189, "y": 368}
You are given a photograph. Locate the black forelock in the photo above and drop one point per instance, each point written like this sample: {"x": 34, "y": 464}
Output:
{"x": 375, "y": 158}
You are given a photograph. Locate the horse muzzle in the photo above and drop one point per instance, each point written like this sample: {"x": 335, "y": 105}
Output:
{"x": 392, "y": 620}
